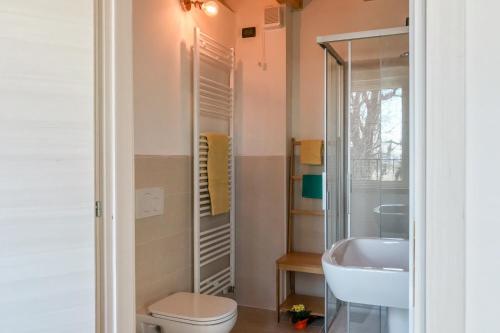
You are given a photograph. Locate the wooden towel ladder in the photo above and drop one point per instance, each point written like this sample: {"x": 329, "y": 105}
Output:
{"x": 292, "y": 261}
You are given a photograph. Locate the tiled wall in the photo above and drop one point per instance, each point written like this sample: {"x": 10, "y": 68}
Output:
{"x": 260, "y": 227}
{"x": 164, "y": 243}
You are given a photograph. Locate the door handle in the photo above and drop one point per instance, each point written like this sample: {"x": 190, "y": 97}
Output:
{"x": 325, "y": 192}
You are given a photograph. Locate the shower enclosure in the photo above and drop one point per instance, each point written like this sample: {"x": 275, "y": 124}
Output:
{"x": 366, "y": 150}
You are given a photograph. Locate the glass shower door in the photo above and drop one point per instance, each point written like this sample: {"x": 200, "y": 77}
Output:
{"x": 333, "y": 176}
{"x": 377, "y": 152}
{"x": 367, "y": 154}
{"x": 378, "y": 137}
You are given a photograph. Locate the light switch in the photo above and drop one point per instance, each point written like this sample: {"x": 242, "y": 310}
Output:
{"x": 149, "y": 202}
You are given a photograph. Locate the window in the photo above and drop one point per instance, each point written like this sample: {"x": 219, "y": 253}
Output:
{"x": 377, "y": 135}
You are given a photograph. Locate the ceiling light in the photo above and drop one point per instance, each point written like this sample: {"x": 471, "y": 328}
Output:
{"x": 211, "y": 8}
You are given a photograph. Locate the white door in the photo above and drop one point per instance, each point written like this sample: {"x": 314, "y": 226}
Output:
{"x": 47, "y": 224}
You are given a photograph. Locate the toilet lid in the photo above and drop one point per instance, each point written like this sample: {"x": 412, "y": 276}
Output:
{"x": 194, "y": 307}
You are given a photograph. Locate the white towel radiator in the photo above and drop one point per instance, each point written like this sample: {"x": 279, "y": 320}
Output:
{"x": 213, "y": 81}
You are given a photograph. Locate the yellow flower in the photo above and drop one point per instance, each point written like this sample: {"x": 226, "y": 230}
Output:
{"x": 298, "y": 308}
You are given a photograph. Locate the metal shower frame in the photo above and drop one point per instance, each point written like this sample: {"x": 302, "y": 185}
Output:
{"x": 325, "y": 42}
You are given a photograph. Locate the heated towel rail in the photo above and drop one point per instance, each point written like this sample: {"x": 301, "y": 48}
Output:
{"x": 214, "y": 249}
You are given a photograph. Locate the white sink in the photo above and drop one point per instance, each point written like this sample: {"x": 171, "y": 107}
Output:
{"x": 370, "y": 271}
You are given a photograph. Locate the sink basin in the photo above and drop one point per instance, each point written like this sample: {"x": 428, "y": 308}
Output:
{"x": 371, "y": 271}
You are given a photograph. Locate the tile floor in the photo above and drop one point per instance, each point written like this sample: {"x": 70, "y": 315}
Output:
{"x": 251, "y": 320}
{"x": 362, "y": 320}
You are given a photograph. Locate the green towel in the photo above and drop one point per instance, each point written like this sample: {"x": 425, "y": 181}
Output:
{"x": 312, "y": 186}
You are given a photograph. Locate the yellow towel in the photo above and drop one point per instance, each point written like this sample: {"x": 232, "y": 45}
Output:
{"x": 310, "y": 152}
{"x": 218, "y": 175}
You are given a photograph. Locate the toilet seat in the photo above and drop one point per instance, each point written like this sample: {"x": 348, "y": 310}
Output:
{"x": 194, "y": 309}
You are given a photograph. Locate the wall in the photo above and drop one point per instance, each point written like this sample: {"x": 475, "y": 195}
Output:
{"x": 325, "y": 17}
{"x": 445, "y": 170}
{"x": 462, "y": 158}
{"x": 47, "y": 223}
{"x": 118, "y": 169}
{"x": 164, "y": 243}
{"x": 261, "y": 127}
{"x": 163, "y": 145}
{"x": 462, "y": 197}
{"x": 482, "y": 118}
{"x": 261, "y": 92}
{"x": 163, "y": 37}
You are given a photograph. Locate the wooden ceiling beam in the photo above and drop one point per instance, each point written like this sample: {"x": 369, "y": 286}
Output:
{"x": 295, "y": 4}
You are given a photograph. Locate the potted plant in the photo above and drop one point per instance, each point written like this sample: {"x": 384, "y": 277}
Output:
{"x": 300, "y": 316}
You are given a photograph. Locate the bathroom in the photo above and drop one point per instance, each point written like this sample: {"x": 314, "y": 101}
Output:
{"x": 220, "y": 166}
{"x": 278, "y": 89}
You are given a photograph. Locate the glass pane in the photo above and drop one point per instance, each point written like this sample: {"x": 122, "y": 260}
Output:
{"x": 333, "y": 145}
{"x": 367, "y": 147}
{"x": 394, "y": 180}
{"x": 378, "y": 137}
{"x": 366, "y": 319}
{"x": 377, "y": 153}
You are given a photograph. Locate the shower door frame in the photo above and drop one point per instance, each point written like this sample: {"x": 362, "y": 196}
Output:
{"x": 324, "y": 41}
{"x": 416, "y": 175}
{"x": 339, "y": 213}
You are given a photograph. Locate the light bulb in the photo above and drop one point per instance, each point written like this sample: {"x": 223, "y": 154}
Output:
{"x": 211, "y": 8}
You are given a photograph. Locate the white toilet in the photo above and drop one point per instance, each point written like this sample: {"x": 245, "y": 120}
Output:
{"x": 188, "y": 313}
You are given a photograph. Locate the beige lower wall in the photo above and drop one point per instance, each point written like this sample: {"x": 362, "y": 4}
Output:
{"x": 260, "y": 227}
{"x": 164, "y": 243}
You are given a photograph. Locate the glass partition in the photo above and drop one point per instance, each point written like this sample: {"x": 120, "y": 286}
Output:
{"x": 367, "y": 155}
{"x": 334, "y": 217}
{"x": 378, "y": 137}
{"x": 377, "y": 152}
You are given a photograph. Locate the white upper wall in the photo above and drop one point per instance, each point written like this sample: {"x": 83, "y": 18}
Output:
{"x": 163, "y": 37}
{"x": 324, "y": 17}
{"x": 260, "y": 89}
